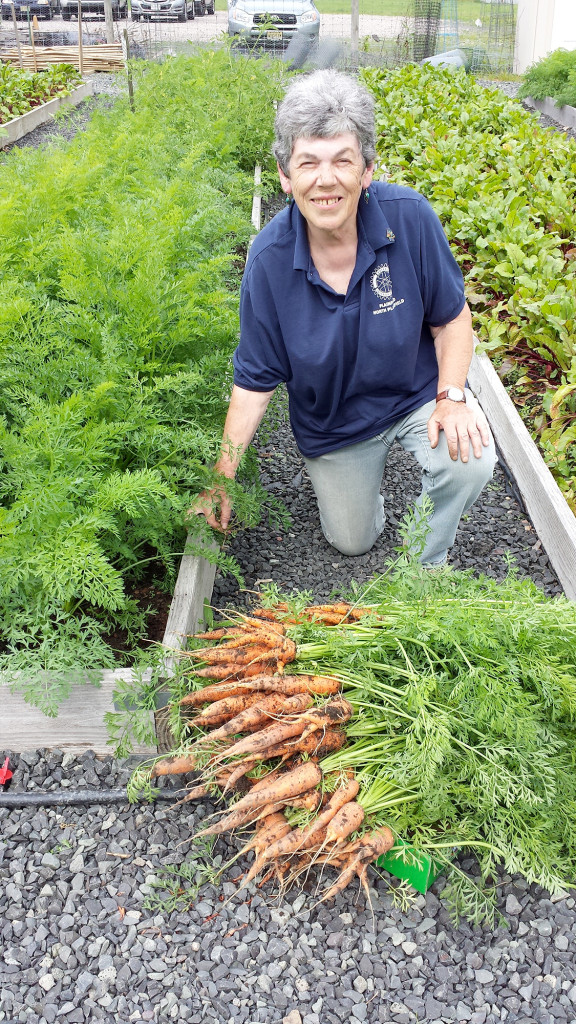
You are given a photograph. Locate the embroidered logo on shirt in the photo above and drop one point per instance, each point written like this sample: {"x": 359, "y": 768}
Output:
{"x": 381, "y": 284}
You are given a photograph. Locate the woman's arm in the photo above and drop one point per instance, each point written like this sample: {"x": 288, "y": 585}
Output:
{"x": 245, "y": 412}
{"x": 463, "y": 424}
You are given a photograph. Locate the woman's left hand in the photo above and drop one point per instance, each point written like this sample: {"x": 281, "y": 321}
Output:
{"x": 465, "y": 425}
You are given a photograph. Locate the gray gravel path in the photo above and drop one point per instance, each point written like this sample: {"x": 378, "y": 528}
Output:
{"x": 80, "y": 944}
{"x": 84, "y": 937}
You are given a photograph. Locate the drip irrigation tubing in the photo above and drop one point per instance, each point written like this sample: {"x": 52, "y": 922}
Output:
{"x": 70, "y": 797}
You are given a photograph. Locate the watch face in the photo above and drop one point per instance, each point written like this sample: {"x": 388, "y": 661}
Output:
{"x": 455, "y": 395}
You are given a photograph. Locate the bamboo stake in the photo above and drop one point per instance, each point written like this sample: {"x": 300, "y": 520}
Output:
{"x": 129, "y": 71}
{"x": 17, "y": 36}
{"x": 80, "y": 48}
{"x": 34, "y": 58}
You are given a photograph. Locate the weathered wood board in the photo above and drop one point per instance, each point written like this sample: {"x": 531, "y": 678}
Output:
{"x": 78, "y": 727}
{"x": 553, "y": 519}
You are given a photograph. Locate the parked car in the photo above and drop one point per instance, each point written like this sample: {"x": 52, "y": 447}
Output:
{"x": 163, "y": 10}
{"x": 202, "y": 7}
{"x": 273, "y": 22}
{"x": 27, "y": 8}
{"x": 70, "y": 8}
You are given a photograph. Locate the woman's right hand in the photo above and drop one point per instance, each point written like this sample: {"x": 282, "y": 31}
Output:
{"x": 215, "y": 504}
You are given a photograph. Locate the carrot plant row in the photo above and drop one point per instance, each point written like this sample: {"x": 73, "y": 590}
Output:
{"x": 119, "y": 277}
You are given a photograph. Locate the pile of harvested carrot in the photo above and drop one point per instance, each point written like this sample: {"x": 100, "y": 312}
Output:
{"x": 263, "y": 736}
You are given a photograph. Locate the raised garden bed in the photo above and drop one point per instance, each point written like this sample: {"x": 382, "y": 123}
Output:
{"x": 544, "y": 503}
{"x": 565, "y": 115}
{"x": 21, "y": 126}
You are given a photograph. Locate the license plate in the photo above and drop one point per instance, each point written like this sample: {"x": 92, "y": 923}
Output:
{"x": 274, "y": 35}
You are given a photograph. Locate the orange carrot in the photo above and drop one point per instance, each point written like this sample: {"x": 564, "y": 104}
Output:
{"x": 221, "y": 710}
{"x": 269, "y": 628}
{"x": 315, "y": 745}
{"x": 270, "y": 736}
{"x": 367, "y": 849}
{"x": 174, "y": 766}
{"x": 238, "y": 772}
{"x": 303, "y": 837}
{"x": 218, "y": 634}
{"x": 282, "y": 788}
{"x": 233, "y": 672}
{"x": 193, "y": 794}
{"x": 269, "y": 828}
{"x": 309, "y": 801}
{"x": 320, "y": 685}
{"x": 269, "y": 706}
{"x": 224, "y": 655}
{"x": 346, "y": 820}
{"x": 245, "y": 649}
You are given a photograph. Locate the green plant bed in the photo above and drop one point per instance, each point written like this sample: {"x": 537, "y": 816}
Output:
{"x": 554, "y": 77}
{"x": 505, "y": 190}
{"x": 119, "y": 282}
{"x": 22, "y": 91}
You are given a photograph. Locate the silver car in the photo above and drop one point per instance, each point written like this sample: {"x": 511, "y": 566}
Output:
{"x": 273, "y": 22}
{"x": 165, "y": 10}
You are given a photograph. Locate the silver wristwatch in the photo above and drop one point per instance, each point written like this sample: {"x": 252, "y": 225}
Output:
{"x": 453, "y": 394}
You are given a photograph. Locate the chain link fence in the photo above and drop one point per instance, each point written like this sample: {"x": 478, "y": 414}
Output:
{"x": 478, "y": 33}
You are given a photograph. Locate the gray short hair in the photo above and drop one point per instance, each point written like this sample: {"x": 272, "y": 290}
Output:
{"x": 319, "y": 106}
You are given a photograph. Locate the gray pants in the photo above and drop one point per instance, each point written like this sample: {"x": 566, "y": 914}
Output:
{"x": 347, "y": 486}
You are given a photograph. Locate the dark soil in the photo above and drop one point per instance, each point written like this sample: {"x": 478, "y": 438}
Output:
{"x": 155, "y": 601}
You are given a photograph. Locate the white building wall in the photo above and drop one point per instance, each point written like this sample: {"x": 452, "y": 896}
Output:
{"x": 541, "y": 27}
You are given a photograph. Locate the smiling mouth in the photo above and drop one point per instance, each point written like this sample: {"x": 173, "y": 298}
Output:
{"x": 333, "y": 201}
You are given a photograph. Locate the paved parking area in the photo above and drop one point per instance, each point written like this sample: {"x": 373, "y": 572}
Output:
{"x": 205, "y": 29}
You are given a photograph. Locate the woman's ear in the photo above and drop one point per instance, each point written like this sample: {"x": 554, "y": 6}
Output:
{"x": 367, "y": 176}
{"x": 285, "y": 182}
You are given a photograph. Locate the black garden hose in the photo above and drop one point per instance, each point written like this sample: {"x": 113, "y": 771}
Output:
{"x": 70, "y": 797}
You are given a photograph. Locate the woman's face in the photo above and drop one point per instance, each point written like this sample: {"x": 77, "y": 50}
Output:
{"x": 326, "y": 177}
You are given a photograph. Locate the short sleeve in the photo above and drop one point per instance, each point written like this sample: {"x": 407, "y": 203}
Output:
{"x": 260, "y": 360}
{"x": 442, "y": 281}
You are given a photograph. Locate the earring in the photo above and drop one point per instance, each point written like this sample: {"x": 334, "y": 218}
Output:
{"x": 288, "y": 199}
{"x": 366, "y": 195}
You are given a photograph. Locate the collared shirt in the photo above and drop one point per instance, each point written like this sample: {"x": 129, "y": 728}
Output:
{"x": 353, "y": 364}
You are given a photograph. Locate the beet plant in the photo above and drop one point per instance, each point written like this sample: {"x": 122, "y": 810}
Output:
{"x": 505, "y": 190}
{"x": 121, "y": 257}
{"x": 21, "y": 90}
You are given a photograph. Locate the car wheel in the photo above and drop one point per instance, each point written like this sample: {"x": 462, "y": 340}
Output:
{"x": 135, "y": 17}
{"x": 191, "y": 14}
{"x": 210, "y": 8}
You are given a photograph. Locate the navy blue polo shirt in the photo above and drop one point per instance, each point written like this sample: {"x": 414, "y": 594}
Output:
{"x": 353, "y": 364}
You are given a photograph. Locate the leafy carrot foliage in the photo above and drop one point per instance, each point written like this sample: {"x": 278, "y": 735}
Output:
{"x": 120, "y": 263}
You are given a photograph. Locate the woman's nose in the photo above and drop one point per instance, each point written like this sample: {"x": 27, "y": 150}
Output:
{"x": 326, "y": 174}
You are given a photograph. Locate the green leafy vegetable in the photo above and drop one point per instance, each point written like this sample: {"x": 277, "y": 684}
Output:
{"x": 505, "y": 191}
{"x": 119, "y": 277}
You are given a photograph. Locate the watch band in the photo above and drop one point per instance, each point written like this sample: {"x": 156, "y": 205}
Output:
{"x": 453, "y": 394}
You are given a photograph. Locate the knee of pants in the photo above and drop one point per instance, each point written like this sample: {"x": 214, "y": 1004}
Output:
{"x": 354, "y": 538}
{"x": 351, "y": 546}
{"x": 471, "y": 476}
